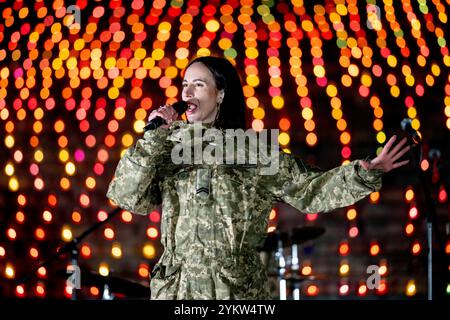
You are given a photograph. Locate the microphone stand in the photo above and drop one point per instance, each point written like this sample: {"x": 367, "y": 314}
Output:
{"x": 71, "y": 247}
{"x": 430, "y": 211}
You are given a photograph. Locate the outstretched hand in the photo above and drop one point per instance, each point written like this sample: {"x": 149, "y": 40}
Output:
{"x": 386, "y": 159}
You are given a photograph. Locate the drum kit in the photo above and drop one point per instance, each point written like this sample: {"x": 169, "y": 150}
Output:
{"x": 280, "y": 256}
{"x": 111, "y": 287}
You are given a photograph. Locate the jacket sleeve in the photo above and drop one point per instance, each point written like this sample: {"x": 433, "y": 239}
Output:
{"x": 313, "y": 190}
{"x": 135, "y": 185}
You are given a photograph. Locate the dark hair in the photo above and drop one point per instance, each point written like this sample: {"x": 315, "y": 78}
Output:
{"x": 232, "y": 109}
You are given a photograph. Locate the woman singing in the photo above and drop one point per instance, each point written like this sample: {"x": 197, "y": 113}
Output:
{"x": 215, "y": 216}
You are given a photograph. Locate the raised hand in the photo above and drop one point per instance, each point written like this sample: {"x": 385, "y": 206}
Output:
{"x": 386, "y": 159}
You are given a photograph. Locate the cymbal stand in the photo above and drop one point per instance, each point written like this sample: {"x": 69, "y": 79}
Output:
{"x": 281, "y": 263}
{"x": 71, "y": 247}
{"x": 294, "y": 270}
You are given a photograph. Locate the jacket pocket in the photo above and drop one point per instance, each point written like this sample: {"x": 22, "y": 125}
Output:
{"x": 164, "y": 282}
{"x": 234, "y": 283}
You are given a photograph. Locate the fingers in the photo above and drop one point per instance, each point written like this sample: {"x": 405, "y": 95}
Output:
{"x": 166, "y": 112}
{"x": 400, "y": 164}
{"x": 397, "y": 147}
{"x": 389, "y": 144}
{"x": 401, "y": 153}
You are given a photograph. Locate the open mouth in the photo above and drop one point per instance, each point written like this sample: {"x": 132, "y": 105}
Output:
{"x": 192, "y": 107}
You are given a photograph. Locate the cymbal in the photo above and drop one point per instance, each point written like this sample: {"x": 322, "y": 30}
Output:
{"x": 293, "y": 277}
{"x": 302, "y": 234}
{"x": 116, "y": 285}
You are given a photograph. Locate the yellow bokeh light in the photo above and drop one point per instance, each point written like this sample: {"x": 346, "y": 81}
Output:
{"x": 411, "y": 288}
{"x": 331, "y": 90}
{"x": 158, "y": 54}
{"x": 258, "y": 113}
{"x": 70, "y": 168}
{"x": 283, "y": 138}
{"x": 307, "y": 25}
{"x": 110, "y": 62}
{"x": 412, "y": 112}
{"x": 57, "y": 64}
{"x": 127, "y": 140}
{"x": 9, "y": 271}
{"x": 148, "y": 251}
{"x": 345, "y": 137}
{"x": 212, "y": 25}
{"x": 410, "y": 80}
{"x": 409, "y": 195}
{"x": 381, "y": 137}
{"x": 155, "y": 72}
{"x": 306, "y": 270}
{"x": 335, "y": 102}
{"x": 9, "y": 141}
{"x": 366, "y": 80}
{"x": 252, "y": 102}
{"x": 341, "y": 9}
{"x": 351, "y": 214}
{"x": 113, "y": 93}
{"x": 119, "y": 113}
{"x": 336, "y": 114}
{"x": 164, "y": 27}
{"x": 119, "y": 82}
{"x": 38, "y": 155}
{"x": 103, "y": 269}
{"x": 4, "y": 73}
{"x": 13, "y": 184}
{"x": 140, "y": 53}
{"x": 138, "y": 126}
{"x": 63, "y": 155}
{"x": 78, "y": 44}
{"x": 9, "y": 169}
{"x": 252, "y": 53}
{"x": 66, "y": 233}
{"x": 415, "y": 124}
{"x": 96, "y": 54}
{"x": 392, "y": 61}
{"x": 344, "y": 269}
{"x": 395, "y": 91}
{"x": 253, "y": 80}
{"x": 171, "y": 72}
{"x": 64, "y": 54}
{"x": 346, "y": 80}
{"x": 90, "y": 183}
{"x": 353, "y": 70}
{"x": 278, "y": 102}
{"x": 319, "y": 71}
{"x": 307, "y": 113}
{"x": 224, "y": 44}
{"x": 116, "y": 250}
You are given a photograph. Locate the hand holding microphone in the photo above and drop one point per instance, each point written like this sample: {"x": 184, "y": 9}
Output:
{"x": 165, "y": 115}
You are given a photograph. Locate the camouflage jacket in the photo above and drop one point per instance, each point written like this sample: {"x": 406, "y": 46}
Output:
{"x": 214, "y": 217}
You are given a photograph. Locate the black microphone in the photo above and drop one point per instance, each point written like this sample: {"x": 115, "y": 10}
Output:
{"x": 180, "y": 108}
{"x": 407, "y": 127}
